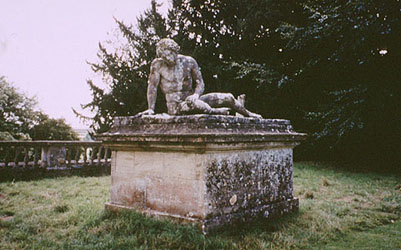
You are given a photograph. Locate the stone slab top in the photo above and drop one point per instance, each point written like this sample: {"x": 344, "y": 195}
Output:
{"x": 200, "y": 118}
{"x": 198, "y": 124}
{"x": 199, "y": 128}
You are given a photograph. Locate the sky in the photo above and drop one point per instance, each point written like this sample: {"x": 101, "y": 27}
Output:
{"x": 45, "y": 46}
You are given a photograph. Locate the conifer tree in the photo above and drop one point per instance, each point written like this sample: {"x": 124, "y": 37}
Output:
{"x": 238, "y": 45}
{"x": 331, "y": 67}
{"x": 125, "y": 70}
{"x": 346, "y": 65}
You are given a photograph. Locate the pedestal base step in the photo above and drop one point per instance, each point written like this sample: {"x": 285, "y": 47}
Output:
{"x": 266, "y": 211}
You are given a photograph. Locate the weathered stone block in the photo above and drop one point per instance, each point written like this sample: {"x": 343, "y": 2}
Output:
{"x": 209, "y": 169}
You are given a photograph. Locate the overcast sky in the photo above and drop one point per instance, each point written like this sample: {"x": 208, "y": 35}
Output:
{"x": 44, "y": 46}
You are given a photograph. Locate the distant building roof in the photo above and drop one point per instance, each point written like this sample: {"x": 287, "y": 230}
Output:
{"x": 83, "y": 134}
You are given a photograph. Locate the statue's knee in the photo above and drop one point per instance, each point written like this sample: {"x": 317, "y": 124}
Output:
{"x": 230, "y": 96}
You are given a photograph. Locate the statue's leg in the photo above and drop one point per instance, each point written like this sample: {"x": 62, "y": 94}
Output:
{"x": 200, "y": 106}
{"x": 227, "y": 100}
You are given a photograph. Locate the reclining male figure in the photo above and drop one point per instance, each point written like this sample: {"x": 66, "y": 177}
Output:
{"x": 177, "y": 74}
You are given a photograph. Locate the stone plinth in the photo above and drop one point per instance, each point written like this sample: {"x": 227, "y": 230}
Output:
{"x": 209, "y": 169}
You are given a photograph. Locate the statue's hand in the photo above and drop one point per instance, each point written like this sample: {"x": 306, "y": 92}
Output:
{"x": 146, "y": 112}
{"x": 192, "y": 99}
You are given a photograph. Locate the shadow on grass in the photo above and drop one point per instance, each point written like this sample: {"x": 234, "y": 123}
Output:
{"x": 14, "y": 175}
{"x": 259, "y": 225}
{"x": 356, "y": 167}
{"x": 129, "y": 230}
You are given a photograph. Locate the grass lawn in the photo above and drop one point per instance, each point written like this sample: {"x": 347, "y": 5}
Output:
{"x": 338, "y": 210}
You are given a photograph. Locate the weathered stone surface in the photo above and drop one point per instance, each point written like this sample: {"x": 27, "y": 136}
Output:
{"x": 242, "y": 185}
{"x": 200, "y": 129}
{"x": 210, "y": 169}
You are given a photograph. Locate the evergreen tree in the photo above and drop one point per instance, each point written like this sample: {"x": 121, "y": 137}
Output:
{"x": 125, "y": 70}
{"x": 332, "y": 67}
{"x": 346, "y": 67}
{"x": 237, "y": 44}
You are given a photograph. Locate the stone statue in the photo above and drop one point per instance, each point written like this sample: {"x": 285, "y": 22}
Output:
{"x": 181, "y": 81}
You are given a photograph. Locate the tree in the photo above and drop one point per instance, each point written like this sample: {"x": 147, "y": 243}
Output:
{"x": 53, "y": 129}
{"x": 348, "y": 58}
{"x": 214, "y": 38}
{"x": 332, "y": 67}
{"x": 21, "y": 120}
{"x": 242, "y": 48}
{"x": 238, "y": 45}
{"x": 329, "y": 66}
{"x": 125, "y": 71}
{"x": 17, "y": 111}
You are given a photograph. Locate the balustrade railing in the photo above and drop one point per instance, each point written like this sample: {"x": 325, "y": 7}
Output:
{"x": 53, "y": 154}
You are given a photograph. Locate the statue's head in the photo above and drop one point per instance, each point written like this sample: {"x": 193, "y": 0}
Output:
{"x": 168, "y": 50}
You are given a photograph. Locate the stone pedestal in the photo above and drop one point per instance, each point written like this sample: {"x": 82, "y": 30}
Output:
{"x": 213, "y": 170}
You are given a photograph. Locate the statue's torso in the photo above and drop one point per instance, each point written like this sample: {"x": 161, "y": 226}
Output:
{"x": 176, "y": 82}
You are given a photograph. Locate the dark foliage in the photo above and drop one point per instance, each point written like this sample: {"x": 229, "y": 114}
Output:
{"x": 332, "y": 67}
{"x": 238, "y": 45}
{"x": 346, "y": 69}
{"x": 53, "y": 129}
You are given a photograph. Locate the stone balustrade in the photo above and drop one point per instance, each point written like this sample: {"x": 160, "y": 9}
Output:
{"x": 53, "y": 154}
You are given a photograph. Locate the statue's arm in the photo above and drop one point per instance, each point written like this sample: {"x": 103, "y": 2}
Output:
{"x": 197, "y": 78}
{"x": 153, "y": 82}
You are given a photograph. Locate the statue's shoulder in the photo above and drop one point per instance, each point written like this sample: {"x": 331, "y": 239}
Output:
{"x": 157, "y": 62}
{"x": 188, "y": 59}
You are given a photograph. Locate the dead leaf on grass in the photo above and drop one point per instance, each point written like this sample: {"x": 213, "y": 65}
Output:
{"x": 309, "y": 195}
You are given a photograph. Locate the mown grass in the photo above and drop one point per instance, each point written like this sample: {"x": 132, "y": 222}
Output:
{"x": 338, "y": 209}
